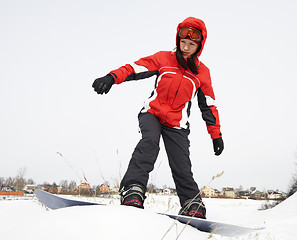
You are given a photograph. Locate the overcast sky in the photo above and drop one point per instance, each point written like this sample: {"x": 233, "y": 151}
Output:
{"x": 52, "y": 50}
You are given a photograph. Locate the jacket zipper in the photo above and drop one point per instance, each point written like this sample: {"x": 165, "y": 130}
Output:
{"x": 174, "y": 96}
{"x": 177, "y": 89}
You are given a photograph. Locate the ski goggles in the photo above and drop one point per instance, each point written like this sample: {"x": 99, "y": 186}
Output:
{"x": 193, "y": 33}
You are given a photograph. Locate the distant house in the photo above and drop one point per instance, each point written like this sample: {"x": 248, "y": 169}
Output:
{"x": 228, "y": 192}
{"x": 104, "y": 188}
{"x": 84, "y": 187}
{"x": 271, "y": 194}
{"x": 166, "y": 191}
{"x": 284, "y": 195}
{"x": 115, "y": 189}
{"x": 256, "y": 194}
{"x": 54, "y": 189}
{"x": 243, "y": 193}
{"x": 208, "y": 192}
{"x": 7, "y": 189}
{"x": 218, "y": 193}
{"x": 30, "y": 188}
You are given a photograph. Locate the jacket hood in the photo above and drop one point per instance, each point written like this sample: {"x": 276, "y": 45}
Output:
{"x": 194, "y": 23}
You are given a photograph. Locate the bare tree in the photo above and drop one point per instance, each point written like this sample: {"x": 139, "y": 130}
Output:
{"x": 96, "y": 190}
{"x": 293, "y": 184}
{"x": 72, "y": 186}
{"x": 64, "y": 185}
{"x": 30, "y": 181}
{"x": 9, "y": 182}
{"x": 2, "y": 180}
{"x": 19, "y": 182}
{"x": 151, "y": 188}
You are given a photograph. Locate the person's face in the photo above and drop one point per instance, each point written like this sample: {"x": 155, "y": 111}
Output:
{"x": 188, "y": 47}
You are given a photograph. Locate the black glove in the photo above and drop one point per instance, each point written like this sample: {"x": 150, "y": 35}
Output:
{"x": 103, "y": 84}
{"x": 218, "y": 146}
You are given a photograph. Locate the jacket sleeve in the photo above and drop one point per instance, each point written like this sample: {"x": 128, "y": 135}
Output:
{"x": 143, "y": 68}
{"x": 206, "y": 103}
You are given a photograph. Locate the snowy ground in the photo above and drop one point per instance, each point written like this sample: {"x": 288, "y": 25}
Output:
{"x": 28, "y": 219}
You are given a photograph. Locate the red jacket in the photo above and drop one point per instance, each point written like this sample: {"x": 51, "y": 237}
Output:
{"x": 175, "y": 88}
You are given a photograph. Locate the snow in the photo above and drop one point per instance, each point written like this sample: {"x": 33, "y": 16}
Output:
{"x": 28, "y": 219}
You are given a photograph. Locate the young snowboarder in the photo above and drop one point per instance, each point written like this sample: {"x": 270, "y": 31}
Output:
{"x": 180, "y": 78}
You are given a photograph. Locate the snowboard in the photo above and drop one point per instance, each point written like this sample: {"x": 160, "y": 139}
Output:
{"x": 54, "y": 202}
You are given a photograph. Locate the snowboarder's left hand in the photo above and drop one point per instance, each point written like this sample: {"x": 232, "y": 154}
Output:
{"x": 218, "y": 146}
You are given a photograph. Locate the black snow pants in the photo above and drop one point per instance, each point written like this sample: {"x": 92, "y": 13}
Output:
{"x": 177, "y": 145}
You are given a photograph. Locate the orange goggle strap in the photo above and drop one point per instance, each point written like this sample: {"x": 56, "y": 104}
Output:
{"x": 193, "y": 33}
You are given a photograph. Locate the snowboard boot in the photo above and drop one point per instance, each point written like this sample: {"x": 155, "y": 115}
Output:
{"x": 193, "y": 208}
{"x": 133, "y": 195}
